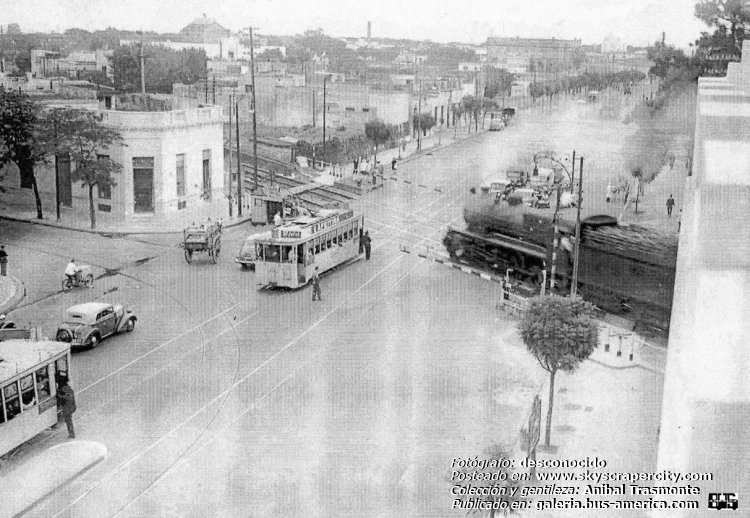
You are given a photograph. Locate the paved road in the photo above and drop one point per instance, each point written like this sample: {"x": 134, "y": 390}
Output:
{"x": 227, "y": 401}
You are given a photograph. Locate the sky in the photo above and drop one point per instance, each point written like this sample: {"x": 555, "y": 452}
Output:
{"x": 632, "y": 22}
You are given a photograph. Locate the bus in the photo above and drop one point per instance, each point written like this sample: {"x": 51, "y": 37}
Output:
{"x": 326, "y": 240}
{"x": 28, "y": 374}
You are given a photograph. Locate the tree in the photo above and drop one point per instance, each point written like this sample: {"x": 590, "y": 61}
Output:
{"x": 163, "y": 68}
{"x": 379, "y": 132}
{"x": 423, "y": 122}
{"x": 732, "y": 14}
{"x": 560, "y": 333}
{"x": 19, "y": 117}
{"x": 458, "y": 112}
{"x": 487, "y": 105}
{"x": 88, "y": 138}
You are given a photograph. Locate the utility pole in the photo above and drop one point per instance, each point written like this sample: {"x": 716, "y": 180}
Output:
{"x": 255, "y": 136}
{"x": 213, "y": 91}
{"x": 573, "y": 173}
{"x": 57, "y": 175}
{"x": 143, "y": 70}
{"x": 419, "y": 117}
{"x": 556, "y": 239}
{"x": 231, "y": 156}
{"x": 574, "y": 284}
{"x": 240, "y": 183}
{"x": 323, "y": 155}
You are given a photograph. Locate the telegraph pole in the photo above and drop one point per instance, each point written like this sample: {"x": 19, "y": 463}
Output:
{"x": 574, "y": 285}
{"x": 573, "y": 174}
{"x": 323, "y": 156}
{"x": 143, "y": 70}
{"x": 255, "y": 136}
{"x": 240, "y": 183}
{"x": 231, "y": 156}
{"x": 419, "y": 117}
{"x": 556, "y": 239}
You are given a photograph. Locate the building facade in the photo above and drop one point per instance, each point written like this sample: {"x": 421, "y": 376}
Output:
{"x": 172, "y": 163}
{"x": 540, "y": 55}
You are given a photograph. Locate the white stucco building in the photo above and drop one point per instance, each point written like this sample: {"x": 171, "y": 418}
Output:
{"x": 172, "y": 166}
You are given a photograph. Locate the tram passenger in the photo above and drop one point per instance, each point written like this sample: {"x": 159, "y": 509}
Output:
{"x": 277, "y": 220}
{"x": 66, "y": 399}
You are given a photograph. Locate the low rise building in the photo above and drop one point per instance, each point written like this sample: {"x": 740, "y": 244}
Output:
{"x": 172, "y": 162}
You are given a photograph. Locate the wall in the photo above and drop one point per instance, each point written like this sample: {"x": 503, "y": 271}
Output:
{"x": 706, "y": 407}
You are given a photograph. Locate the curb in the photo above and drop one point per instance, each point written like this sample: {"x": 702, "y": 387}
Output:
{"x": 110, "y": 233}
{"x": 34, "y": 481}
{"x": 19, "y": 293}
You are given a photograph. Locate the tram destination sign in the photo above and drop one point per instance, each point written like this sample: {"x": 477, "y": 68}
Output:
{"x": 292, "y": 234}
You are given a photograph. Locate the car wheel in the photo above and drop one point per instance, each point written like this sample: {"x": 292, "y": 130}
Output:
{"x": 93, "y": 341}
{"x": 89, "y": 281}
{"x": 63, "y": 336}
{"x": 130, "y": 325}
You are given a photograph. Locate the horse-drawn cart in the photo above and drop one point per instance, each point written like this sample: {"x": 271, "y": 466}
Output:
{"x": 203, "y": 238}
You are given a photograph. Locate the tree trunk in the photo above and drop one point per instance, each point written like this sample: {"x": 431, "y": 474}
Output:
{"x": 376, "y": 156}
{"x": 26, "y": 171}
{"x": 92, "y": 212}
{"x": 476, "y": 122}
{"x": 549, "y": 407}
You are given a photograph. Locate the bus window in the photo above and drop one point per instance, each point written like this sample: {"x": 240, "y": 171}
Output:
{"x": 28, "y": 396}
{"x": 259, "y": 251}
{"x": 12, "y": 401}
{"x": 301, "y": 254}
{"x": 42, "y": 383}
{"x": 286, "y": 254}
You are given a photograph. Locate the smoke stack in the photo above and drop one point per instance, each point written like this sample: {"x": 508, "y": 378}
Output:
{"x": 369, "y": 30}
{"x": 663, "y": 37}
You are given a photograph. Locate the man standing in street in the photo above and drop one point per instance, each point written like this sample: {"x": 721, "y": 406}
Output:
{"x": 66, "y": 400}
{"x": 670, "y": 205}
{"x": 367, "y": 242}
{"x": 316, "y": 285}
{"x": 393, "y": 164}
{"x": 3, "y": 261}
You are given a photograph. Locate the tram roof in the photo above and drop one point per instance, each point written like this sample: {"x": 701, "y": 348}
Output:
{"x": 17, "y": 356}
{"x": 306, "y": 226}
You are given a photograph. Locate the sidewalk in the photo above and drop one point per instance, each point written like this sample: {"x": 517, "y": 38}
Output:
{"x": 12, "y": 292}
{"x": 19, "y": 205}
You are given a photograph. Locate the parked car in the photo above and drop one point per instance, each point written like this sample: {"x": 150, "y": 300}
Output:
{"x": 89, "y": 323}
{"x": 497, "y": 124}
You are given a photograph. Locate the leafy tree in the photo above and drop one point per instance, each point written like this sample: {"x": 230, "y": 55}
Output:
{"x": 488, "y": 105}
{"x": 379, "y": 132}
{"x": 19, "y": 144}
{"x": 423, "y": 122}
{"x": 508, "y": 490}
{"x": 732, "y": 14}
{"x": 88, "y": 138}
{"x": 560, "y": 333}
{"x": 163, "y": 68}
{"x": 458, "y": 112}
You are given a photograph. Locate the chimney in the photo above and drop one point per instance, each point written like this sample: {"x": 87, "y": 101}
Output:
{"x": 369, "y": 30}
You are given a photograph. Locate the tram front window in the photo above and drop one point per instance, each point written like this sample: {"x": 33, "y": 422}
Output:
{"x": 12, "y": 400}
{"x": 286, "y": 253}
{"x": 271, "y": 253}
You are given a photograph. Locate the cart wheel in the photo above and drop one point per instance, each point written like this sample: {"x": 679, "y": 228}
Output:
{"x": 89, "y": 281}
{"x": 188, "y": 256}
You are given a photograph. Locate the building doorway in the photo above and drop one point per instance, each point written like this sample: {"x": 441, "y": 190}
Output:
{"x": 143, "y": 184}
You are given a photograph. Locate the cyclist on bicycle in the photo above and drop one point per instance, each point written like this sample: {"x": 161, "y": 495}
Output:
{"x": 71, "y": 271}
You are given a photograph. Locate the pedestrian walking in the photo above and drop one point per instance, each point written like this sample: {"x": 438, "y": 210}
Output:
{"x": 66, "y": 400}
{"x": 367, "y": 243}
{"x": 356, "y": 165}
{"x": 670, "y": 205}
{"x": 361, "y": 241}
{"x": 3, "y": 261}
{"x": 394, "y": 163}
{"x": 316, "y": 285}
{"x": 679, "y": 220}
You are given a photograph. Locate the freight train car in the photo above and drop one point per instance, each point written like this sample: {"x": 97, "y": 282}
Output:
{"x": 624, "y": 270}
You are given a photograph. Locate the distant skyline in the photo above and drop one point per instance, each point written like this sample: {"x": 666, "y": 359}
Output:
{"x": 638, "y": 22}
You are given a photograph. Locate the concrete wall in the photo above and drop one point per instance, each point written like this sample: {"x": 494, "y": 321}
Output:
{"x": 706, "y": 408}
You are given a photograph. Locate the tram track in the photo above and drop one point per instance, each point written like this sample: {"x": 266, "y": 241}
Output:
{"x": 394, "y": 257}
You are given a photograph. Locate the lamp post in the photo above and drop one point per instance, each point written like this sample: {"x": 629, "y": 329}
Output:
{"x": 574, "y": 284}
